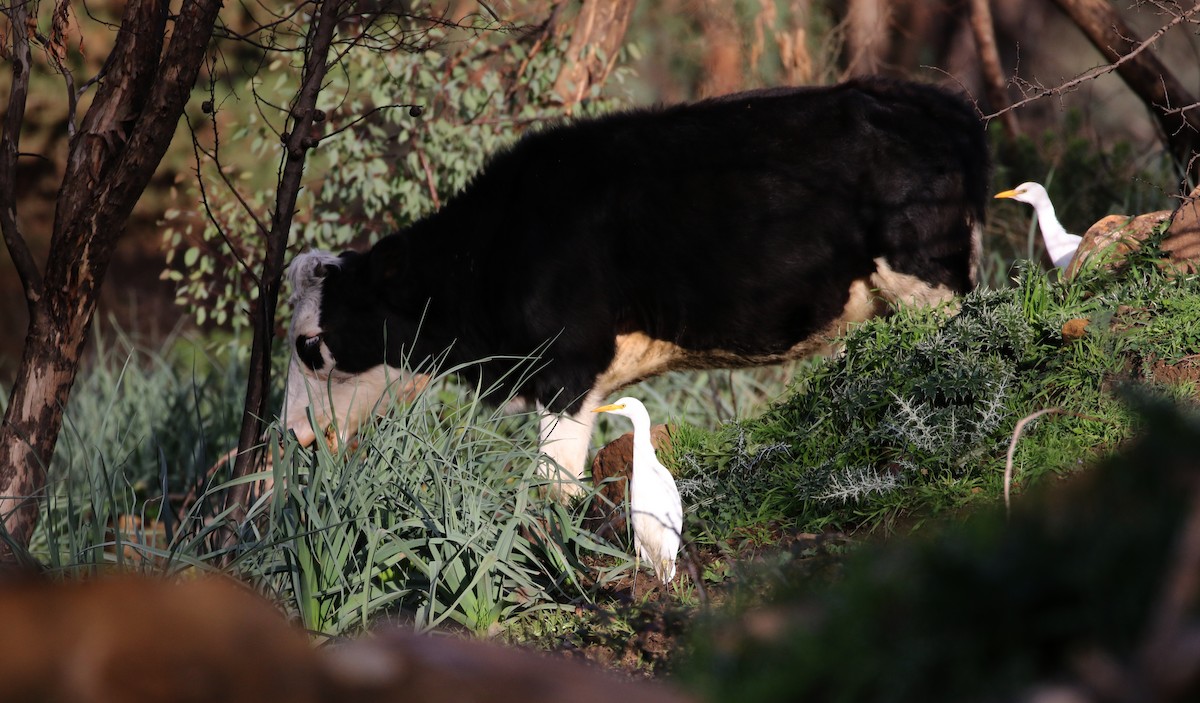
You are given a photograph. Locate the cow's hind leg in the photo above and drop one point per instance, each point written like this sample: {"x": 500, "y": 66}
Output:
{"x": 563, "y": 439}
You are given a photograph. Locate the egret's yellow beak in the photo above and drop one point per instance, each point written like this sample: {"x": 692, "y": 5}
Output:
{"x": 1006, "y": 194}
{"x": 606, "y": 408}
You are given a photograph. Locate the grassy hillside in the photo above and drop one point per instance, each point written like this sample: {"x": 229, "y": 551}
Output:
{"x": 916, "y": 415}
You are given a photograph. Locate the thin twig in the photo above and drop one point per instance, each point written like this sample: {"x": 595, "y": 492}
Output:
{"x": 197, "y": 151}
{"x": 1097, "y": 71}
{"x": 364, "y": 116}
{"x": 1016, "y": 435}
{"x": 428, "y": 175}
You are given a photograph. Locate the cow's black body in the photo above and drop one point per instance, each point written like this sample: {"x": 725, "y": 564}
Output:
{"x": 731, "y": 229}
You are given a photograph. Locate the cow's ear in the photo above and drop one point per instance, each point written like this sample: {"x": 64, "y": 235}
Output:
{"x": 310, "y": 268}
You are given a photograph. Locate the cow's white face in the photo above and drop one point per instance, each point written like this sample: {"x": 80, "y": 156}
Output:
{"x": 339, "y": 401}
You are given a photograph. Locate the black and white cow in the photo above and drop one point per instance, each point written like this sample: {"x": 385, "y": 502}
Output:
{"x": 741, "y": 230}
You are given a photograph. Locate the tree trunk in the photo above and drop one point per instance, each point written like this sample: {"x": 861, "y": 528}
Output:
{"x": 111, "y": 159}
{"x": 989, "y": 62}
{"x": 297, "y": 142}
{"x": 797, "y": 63}
{"x": 723, "y": 49}
{"x": 868, "y": 37}
{"x": 1144, "y": 74}
{"x": 598, "y": 34}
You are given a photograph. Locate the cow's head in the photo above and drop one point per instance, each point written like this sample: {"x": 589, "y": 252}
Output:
{"x": 339, "y": 338}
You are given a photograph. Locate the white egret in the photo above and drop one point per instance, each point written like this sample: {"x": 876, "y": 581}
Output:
{"x": 654, "y": 506}
{"x": 1060, "y": 245}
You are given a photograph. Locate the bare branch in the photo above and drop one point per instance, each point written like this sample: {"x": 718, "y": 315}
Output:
{"x": 27, "y": 270}
{"x": 1141, "y": 71}
{"x": 490, "y": 11}
{"x": 989, "y": 61}
{"x": 1097, "y": 71}
{"x": 367, "y": 114}
{"x": 197, "y": 151}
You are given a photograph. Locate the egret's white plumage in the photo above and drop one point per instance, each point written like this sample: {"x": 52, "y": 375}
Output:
{"x": 1060, "y": 245}
{"x": 654, "y": 506}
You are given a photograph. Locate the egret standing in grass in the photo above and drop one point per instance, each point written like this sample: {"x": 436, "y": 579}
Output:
{"x": 654, "y": 506}
{"x": 1060, "y": 245}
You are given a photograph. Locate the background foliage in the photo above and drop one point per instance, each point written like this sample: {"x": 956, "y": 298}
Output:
{"x": 405, "y": 131}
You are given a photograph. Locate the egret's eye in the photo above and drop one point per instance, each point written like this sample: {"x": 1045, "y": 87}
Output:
{"x": 309, "y": 351}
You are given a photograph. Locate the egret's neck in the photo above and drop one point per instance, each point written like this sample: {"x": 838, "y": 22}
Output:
{"x": 1052, "y": 231}
{"x": 641, "y": 437}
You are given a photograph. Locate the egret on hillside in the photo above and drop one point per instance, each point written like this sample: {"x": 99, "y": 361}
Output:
{"x": 654, "y": 506}
{"x": 1060, "y": 245}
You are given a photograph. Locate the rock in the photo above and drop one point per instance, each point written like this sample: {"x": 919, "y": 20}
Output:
{"x": 1115, "y": 236}
{"x": 144, "y": 640}
{"x": 610, "y": 471}
{"x": 1075, "y": 329}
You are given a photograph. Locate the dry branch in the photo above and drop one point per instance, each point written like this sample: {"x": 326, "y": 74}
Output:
{"x": 21, "y": 62}
{"x": 1157, "y": 87}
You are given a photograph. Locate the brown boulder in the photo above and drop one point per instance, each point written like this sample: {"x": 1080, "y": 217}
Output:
{"x": 1115, "y": 236}
{"x": 142, "y": 640}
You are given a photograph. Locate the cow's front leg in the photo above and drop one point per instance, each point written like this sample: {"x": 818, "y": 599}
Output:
{"x": 563, "y": 439}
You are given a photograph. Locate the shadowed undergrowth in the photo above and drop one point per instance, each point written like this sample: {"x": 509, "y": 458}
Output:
{"x": 1076, "y": 597}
